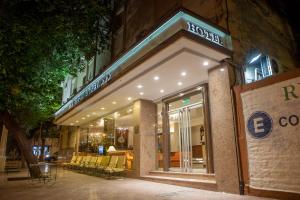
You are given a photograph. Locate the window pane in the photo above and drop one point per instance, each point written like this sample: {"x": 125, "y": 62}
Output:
{"x": 258, "y": 68}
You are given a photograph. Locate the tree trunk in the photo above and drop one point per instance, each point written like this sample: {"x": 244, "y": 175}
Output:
{"x": 42, "y": 150}
{"x": 22, "y": 142}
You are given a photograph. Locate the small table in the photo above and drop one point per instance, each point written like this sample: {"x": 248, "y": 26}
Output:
{"x": 47, "y": 174}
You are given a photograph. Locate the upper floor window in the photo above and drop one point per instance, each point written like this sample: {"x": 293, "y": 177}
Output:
{"x": 260, "y": 66}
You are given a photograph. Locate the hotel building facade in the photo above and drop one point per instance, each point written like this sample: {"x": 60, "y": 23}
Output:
{"x": 163, "y": 92}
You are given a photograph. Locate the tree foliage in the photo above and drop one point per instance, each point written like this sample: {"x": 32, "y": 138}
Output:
{"x": 41, "y": 41}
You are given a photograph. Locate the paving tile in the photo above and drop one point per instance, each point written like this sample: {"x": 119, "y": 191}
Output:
{"x": 72, "y": 185}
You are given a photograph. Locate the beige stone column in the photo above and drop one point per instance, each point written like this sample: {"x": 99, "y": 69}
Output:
{"x": 144, "y": 116}
{"x": 3, "y": 141}
{"x": 77, "y": 140}
{"x": 222, "y": 130}
{"x": 64, "y": 138}
{"x": 63, "y": 141}
{"x": 72, "y": 138}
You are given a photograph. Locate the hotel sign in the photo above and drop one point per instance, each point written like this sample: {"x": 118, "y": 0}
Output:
{"x": 92, "y": 87}
{"x": 204, "y": 33}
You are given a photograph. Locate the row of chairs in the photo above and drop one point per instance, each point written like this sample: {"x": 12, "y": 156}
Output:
{"x": 106, "y": 165}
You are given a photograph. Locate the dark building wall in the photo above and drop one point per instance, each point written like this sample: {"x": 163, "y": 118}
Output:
{"x": 138, "y": 19}
{"x": 253, "y": 25}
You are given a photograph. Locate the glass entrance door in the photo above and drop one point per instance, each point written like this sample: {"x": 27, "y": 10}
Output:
{"x": 187, "y": 135}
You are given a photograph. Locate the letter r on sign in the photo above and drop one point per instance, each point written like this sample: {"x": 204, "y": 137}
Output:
{"x": 289, "y": 92}
{"x": 258, "y": 125}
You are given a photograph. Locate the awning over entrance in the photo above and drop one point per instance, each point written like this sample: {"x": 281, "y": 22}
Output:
{"x": 174, "y": 57}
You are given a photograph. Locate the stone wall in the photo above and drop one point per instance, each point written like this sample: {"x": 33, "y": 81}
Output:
{"x": 254, "y": 26}
{"x": 144, "y": 116}
{"x": 222, "y": 130}
{"x": 68, "y": 137}
{"x": 274, "y": 159}
{"x": 68, "y": 142}
{"x": 138, "y": 19}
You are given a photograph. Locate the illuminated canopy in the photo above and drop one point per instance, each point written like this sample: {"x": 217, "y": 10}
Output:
{"x": 180, "y": 21}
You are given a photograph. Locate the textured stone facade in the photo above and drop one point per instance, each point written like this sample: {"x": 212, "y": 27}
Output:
{"x": 68, "y": 138}
{"x": 222, "y": 130}
{"x": 274, "y": 160}
{"x": 144, "y": 113}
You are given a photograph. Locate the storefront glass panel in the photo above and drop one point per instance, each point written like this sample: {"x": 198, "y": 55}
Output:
{"x": 159, "y": 137}
{"x": 115, "y": 129}
{"x": 183, "y": 139}
{"x": 187, "y": 135}
{"x": 83, "y": 140}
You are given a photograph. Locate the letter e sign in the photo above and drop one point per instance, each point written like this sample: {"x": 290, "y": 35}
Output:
{"x": 260, "y": 124}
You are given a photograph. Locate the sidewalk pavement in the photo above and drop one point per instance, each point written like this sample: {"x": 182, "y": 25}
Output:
{"x": 72, "y": 185}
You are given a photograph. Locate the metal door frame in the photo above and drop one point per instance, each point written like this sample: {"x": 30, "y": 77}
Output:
{"x": 185, "y": 135}
{"x": 207, "y": 127}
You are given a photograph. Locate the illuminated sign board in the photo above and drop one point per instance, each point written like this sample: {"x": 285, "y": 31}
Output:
{"x": 86, "y": 92}
{"x": 91, "y": 88}
{"x": 204, "y": 33}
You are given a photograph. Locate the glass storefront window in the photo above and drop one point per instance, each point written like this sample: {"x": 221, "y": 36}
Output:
{"x": 159, "y": 118}
{"x": 159, "y": 137}
{"x": 115, "y": 129}
{"x": 83, "y": 140}
{"x": 186, "y": 134}
{"x": 187, "y": 141}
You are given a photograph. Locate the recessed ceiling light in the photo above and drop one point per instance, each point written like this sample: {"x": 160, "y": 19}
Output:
{"x": 129, "y": 98}
{"x": 116, "y": 114}
{"x": 102, "y": 108}
{"x": 88, "y": 115}
{"x": 91, "y": 125}
{"x": 222, "y": 69}
{"x": 199, "y": 88}
{"x": 93, "y": 113}
{"x": 183, "y": 73}
{"x": 114, "y": 102}
{"x": 156, "y": 78}
{"x": 181, "y": 94}
{"x": 129, "y": 110}
{"x": 170, "y": 105}
{"x": 139, "y": 86}
{"x": 205, "y": 63}
{"x": 162, "y": 91}
{"x": 141, "y": 93}
{"x": 76, "y": 121}
{"x": 179, "y": 83}
{"x": 83, "y": 118}
{"x": 71, "y": 124}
